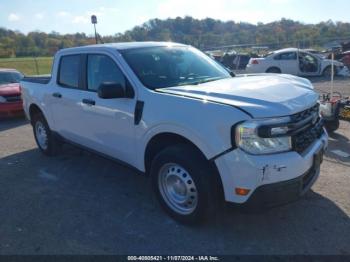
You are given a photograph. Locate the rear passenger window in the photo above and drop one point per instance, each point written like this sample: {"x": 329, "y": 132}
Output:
{"x": 69, "y": 71}
{"x": 286, "y": 56}
{"x": 101, "y": 69}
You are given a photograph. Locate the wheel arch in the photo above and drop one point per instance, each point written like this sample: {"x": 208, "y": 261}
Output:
{"x": 162, "y": 140}
{"x": 273, "y": 67}
{"x": 33, "y": 110}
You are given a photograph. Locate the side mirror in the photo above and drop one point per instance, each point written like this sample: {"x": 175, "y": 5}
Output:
{"x": 232, "y": 73}
{"x": 109, "y": 90}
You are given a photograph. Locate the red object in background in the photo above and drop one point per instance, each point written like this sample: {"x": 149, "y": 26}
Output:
{"x": 10, "y": 100}
{"x": 346, "y": 59}
{"x": 10, "y": 93}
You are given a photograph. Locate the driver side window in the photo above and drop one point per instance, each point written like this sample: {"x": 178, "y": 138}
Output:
{"x": 101, "y": 68}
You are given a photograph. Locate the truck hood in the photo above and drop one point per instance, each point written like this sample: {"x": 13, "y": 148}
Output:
{"x": 264, "y": 95}
{"x": 10, "y": 89}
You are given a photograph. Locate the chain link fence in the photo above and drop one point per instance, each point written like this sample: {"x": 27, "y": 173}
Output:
{"x": 28, "y": 65}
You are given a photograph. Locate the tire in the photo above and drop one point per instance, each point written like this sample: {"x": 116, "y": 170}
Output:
{"x": 327, "y": 72}
{"x": 332, "y": 125}
{"x": 46, "y": 141}
{"x": 273, "y": 70}
{"x": 182, "y": 181}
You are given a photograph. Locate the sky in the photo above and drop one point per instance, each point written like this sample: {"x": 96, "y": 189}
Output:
{"x": 116, "y": 16}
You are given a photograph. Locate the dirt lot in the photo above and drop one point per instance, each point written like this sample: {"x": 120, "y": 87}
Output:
{"x": 341, "y": 84}
{"x": 79, "y": 203}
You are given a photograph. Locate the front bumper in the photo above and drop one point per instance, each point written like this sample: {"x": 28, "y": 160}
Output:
{"x": 11, "y": 109}
{"x": 283, "y": 192}
{"x": 265, "y": 173}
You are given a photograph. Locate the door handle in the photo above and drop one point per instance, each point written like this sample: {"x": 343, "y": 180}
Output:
{"x": 58, "y": 95}
{"x": 89, "y": 102}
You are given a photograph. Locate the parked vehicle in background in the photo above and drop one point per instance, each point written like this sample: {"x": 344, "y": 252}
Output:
{"x": 231, "y": 60}
{"x": 240, "y": 62}
{"x": 295, "y": 62}
{"x": 345, "y": 59}
{"x": 315, "y": 52}
{"x": 170, "y": 111}
{"x": 10, "y": 93}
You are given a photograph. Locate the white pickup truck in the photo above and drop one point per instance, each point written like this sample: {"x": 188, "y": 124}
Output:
{"x": 171, "y": 112}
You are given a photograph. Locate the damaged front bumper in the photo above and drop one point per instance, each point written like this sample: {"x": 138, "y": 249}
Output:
{"x": 270, "y": 178}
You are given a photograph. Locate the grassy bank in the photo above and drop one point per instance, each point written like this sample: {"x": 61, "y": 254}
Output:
{"x": 28, "y": 65}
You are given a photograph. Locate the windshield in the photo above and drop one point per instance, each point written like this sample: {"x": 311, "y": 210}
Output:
{"x": 10, "y": 77}
{"x": 160, "y": 67}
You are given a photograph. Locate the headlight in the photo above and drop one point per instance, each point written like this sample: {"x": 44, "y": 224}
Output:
{"x": 2, "y": 99}
{"x": 247, "y": 138}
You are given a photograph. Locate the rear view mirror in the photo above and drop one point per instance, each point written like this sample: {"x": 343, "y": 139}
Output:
{"x": 109, "y": 90}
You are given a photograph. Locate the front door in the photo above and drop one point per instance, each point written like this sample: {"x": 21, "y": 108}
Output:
{"x": 309, "y": 65}
{"x": 108, "y": 123}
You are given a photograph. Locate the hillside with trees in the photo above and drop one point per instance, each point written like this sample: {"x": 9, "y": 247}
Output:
{"x": 204, "y": 34}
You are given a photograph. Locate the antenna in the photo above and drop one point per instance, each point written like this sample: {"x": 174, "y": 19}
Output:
{"x": 94, "y": 22}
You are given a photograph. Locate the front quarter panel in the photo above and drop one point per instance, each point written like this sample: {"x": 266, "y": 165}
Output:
{"x": 206, "y": 124}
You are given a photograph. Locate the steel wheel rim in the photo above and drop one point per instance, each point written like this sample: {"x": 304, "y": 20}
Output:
{"x": 41, "y": 134}
{"x": 177, "y": 188}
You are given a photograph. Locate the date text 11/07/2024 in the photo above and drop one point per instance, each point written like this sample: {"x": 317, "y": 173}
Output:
{"x": 173, "y": 258}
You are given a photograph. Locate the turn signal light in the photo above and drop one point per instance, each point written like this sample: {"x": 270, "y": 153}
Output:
{"x": 242, "y": 191}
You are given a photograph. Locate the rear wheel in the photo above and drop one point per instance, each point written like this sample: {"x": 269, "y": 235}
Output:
{"x": 44, "y": 138}
{"x": 182, "y": 182}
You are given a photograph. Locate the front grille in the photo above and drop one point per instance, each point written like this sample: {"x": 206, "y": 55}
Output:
{"x": 306, "y": 113}
{"x": 302, "y": 140}
{"x": 13, "y": 98}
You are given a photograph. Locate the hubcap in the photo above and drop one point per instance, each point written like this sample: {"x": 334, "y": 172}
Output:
{"x": 178, "y": 188}
{"x": 41, "y": 134}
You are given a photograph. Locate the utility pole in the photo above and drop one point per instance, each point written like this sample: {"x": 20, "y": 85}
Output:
{"x": 94, "y": 22}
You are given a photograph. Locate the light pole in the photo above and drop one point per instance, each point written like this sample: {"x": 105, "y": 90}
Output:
{"x": 94, "y": 22}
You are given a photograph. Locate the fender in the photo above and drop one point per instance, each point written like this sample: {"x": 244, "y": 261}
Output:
{"x": 187, "y": 133}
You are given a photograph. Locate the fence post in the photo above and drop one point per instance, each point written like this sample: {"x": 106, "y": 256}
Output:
{"x": 36, "y": 66}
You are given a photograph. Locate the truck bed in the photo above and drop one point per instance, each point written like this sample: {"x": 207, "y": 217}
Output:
{"x": 37, "y": 79}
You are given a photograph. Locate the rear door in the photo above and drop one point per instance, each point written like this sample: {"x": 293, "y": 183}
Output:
{"x": 287, "y": 62}
{"x": 65, "y": 99}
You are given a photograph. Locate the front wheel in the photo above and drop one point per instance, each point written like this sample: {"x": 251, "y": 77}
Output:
{"x": 181, "y": 180}
{"x": 328, "y": 72}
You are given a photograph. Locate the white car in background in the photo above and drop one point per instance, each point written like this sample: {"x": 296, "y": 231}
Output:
{"x": 295, "y": 62}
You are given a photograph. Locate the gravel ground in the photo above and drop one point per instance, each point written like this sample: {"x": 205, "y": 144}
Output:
{"x": 79, "y": 203}
{"x": 341, "y": 84}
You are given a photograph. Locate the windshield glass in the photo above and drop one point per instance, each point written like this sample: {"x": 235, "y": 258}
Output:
{"x": 10, "y": 77}
{"x": 160, "y": 67}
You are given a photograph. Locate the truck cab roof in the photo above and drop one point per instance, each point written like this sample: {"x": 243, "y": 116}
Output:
{"x": 120, "y": 46}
